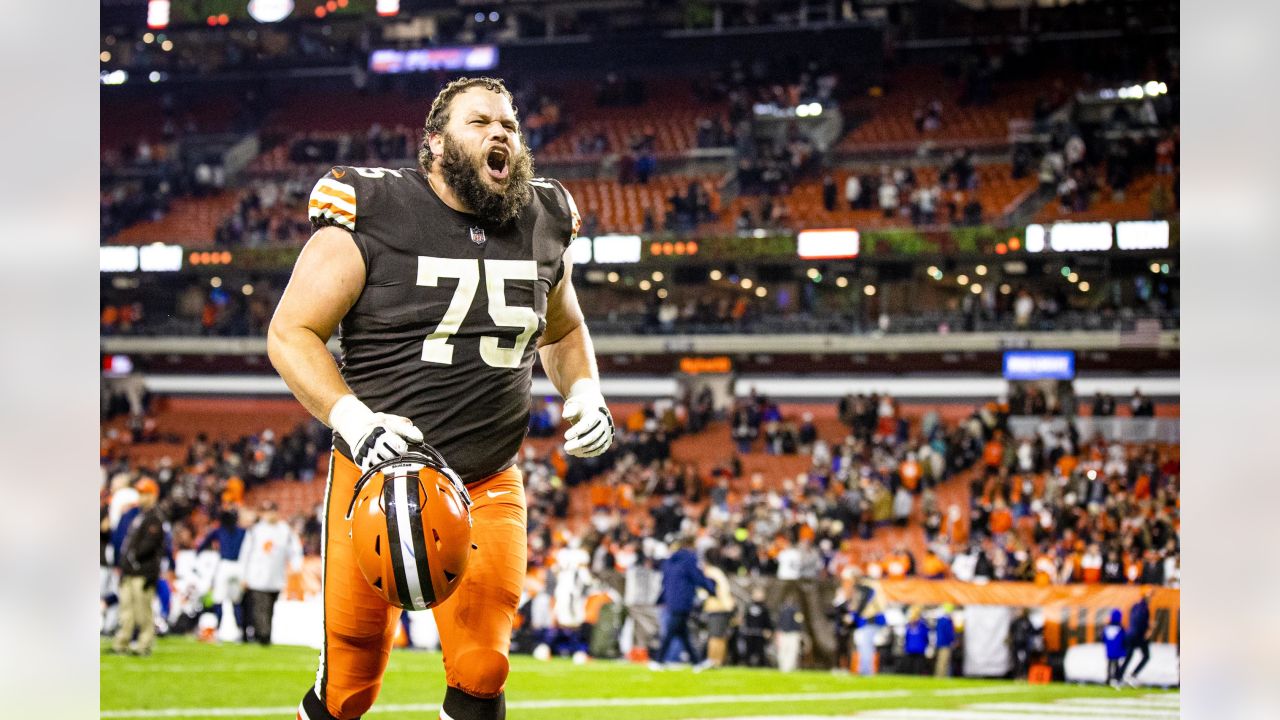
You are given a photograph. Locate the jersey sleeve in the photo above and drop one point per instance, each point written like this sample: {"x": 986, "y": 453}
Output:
{"x": 557, "y": 200}
{"x": 333, "y": 200}
{"x": 575, "y": 218}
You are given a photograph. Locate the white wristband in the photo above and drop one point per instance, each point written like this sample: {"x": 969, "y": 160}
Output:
{"x": 583, "y": 387}
{"x": 349, "y": 414}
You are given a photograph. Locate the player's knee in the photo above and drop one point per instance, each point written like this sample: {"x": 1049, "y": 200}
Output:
{"x": 481, "y": 673}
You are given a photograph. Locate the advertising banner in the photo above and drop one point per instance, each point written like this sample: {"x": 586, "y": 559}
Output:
{"x": 1074, "y": 614}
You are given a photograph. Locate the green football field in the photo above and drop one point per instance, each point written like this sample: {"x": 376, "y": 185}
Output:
{"x": 187, "y": 679}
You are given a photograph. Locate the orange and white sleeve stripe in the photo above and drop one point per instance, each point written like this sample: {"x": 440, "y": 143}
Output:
{"x": 334, "y": 201}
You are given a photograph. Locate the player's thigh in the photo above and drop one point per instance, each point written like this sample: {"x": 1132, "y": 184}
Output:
{"x": 481, "y": 611}
{"x": 352, "y": 608}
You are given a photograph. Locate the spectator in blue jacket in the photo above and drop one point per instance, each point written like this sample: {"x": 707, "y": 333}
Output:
{"x": 1139, "y": 637}
{"x": 944, "y": 638}
{"x": 227, "y": 538}
{"x": 1113, "y": 637}
{"x": 864, "y": 638}
{"x": 915, "y": 643}
{"x": 681, "y": 579}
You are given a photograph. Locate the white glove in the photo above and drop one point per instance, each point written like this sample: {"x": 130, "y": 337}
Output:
{"x": 592, "y": 431}
{"x": 373, "y": 437}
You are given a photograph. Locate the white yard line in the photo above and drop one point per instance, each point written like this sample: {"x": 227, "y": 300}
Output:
{"x": 967, "y": 714}
{"x": 1073, "y": 707}
{"x": 1149, "y": 701}
{"x": 984, "y": 690}
{"x": 535, "y": 704}
{"x": 1135, "y": 708}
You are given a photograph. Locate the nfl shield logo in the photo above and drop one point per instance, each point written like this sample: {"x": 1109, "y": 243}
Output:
{"x": 477, "y": 235}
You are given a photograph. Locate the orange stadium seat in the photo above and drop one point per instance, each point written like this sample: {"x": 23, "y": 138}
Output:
{"x": 189, "y": 221}
{"x": 892, "y": 123}
{"x": 620, "y": 208}
{"x": 997, "y": 191}
{"x": 1135, "y": 205}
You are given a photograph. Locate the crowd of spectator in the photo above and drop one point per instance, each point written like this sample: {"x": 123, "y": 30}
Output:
{"x": 268, "y": 212}
{"x": 1046, "y": 508}
{"x": 1083, "y": 166}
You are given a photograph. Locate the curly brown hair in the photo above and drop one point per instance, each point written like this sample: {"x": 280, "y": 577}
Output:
{"x": 438, "y": 116}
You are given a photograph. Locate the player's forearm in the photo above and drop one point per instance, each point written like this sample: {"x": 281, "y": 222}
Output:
{"x": 307, "y": 367}
{"x": 570, "y": 359}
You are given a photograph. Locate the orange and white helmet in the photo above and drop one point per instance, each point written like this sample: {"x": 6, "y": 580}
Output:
{"x": 411, "y": 528}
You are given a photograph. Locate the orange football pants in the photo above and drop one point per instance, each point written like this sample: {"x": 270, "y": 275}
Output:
{"x": 474, "y": 623}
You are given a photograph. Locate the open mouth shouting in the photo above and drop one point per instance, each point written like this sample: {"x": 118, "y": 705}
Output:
{"x": 497, "y": 163}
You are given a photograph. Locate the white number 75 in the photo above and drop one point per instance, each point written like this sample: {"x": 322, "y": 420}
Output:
{"x": 436, "y": 347}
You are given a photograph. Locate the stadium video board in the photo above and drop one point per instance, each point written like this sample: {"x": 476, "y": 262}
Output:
{"x": 463, "y": 57}
{"x": 1039, "y": 365}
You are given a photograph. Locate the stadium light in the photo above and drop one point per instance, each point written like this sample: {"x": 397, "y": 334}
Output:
{"x": 158, "y": 14}
{"x": 616, "y": 249}
{"x": 158, "y": 257}
{"x": 580, "y": 250}
{"x": 117, "y": 258}
{"x": 1142, "y": 235}
{"x": 827, "y": 244}
{"x": 269, "y": 11}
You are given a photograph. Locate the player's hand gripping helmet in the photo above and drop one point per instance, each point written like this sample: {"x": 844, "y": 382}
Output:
{"x": 411, "y": 528}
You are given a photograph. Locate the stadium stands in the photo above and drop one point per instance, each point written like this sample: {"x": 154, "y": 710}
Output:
{"x": 1137, "y": 202}
{"x": 895, "y": 118}
{"x": 190, "y": 219}
{"x": 803, "y": 207}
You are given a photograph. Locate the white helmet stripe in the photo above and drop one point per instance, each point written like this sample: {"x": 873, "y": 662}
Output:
{"x": 406, "y": 543}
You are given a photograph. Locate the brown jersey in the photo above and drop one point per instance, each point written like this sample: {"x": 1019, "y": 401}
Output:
{"x": 445, "y": 329}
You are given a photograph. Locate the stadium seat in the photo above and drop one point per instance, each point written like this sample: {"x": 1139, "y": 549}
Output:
{"x": 190, "y": 221}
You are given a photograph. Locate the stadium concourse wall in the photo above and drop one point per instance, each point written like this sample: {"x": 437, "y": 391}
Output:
{"x": 916, "y": 366}
{"x": 917, "y": 389}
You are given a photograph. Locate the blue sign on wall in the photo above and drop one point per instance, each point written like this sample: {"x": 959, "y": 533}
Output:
{"x": 1039, "y": 365}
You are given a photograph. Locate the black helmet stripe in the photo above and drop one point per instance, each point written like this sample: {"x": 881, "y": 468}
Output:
{"x": 393, "y": 540}
{"x": 407, "y": 550}
{"x": 419, "y": 538}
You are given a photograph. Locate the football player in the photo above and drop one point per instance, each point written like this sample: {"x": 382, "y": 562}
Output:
{"x": 442, "y": 281}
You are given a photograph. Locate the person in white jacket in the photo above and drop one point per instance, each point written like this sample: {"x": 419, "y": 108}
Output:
{"x": 269, "y": 548}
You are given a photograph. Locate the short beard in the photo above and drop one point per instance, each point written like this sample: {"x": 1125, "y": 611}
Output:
{"x": 464, "y": 179}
